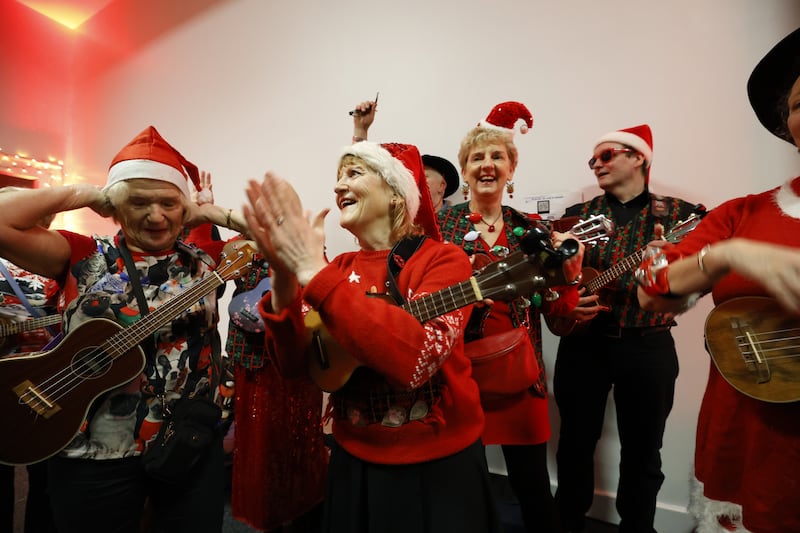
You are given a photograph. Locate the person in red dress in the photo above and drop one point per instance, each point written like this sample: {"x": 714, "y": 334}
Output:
{"x": 747, "y": 453}
{"x": 517, "y": 420}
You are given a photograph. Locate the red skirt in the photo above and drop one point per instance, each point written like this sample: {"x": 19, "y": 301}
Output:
{"x": 279, "y": 460}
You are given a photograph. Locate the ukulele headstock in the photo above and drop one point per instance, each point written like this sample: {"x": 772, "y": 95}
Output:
{"x": 593, "y": 230}
{"x": 236, "y": 259}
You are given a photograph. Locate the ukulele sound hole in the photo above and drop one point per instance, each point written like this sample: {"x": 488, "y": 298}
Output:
{"x": 91, "y": 363}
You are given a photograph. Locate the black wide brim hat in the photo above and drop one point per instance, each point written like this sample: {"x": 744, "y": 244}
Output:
{"x": 446, "y": 169}
{"x": 770, "y": 83}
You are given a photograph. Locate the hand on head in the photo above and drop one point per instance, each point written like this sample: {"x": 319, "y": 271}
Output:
{"x": 99, "y": 201}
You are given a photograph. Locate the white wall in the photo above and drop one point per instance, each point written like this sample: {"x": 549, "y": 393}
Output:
{"x": 254, "y": 85}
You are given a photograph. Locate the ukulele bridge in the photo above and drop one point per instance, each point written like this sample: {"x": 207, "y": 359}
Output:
{"x": 29, "y": 395}
{"x": 750, "y": 349}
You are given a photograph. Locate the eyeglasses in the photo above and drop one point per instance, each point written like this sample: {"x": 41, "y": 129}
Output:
{"x": 606, "y": 155}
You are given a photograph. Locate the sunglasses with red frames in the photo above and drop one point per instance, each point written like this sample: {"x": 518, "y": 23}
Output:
{"x": 606, "y": 155}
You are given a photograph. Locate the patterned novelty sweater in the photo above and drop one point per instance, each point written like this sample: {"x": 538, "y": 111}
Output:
{"x": 628, "y": 239}
{"x": 399, "y": 355}
{"x": 124, "y": 420}
{"x": 748, "y": 450}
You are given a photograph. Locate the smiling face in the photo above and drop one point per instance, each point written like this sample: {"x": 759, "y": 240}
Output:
{"x": 365, "y": 202}
{"x": 487, "y": 169}
{"x": 621, "y": 173}
{"x": 151, "y": 215}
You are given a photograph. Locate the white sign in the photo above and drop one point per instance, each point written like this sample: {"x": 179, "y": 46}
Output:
{"x": 551, "y": 206}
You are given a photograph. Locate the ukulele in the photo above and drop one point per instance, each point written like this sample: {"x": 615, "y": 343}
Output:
{"x": 537, "y": 266}
{"x": 45, "y": 396}
{"x": 592, "y": 281}
{"x": 243, "y": 309}
{"x": 9, "y": 329}
{"x": 755, "y": 345}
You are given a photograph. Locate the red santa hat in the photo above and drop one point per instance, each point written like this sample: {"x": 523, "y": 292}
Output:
{"x": 400, "y": 165}
{"x": 149, "y": 156}
{"x": 507, "y": 116}
{"x": 640, "y": 138}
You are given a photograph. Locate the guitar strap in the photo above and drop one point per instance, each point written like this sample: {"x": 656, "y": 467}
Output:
{"x": 400, "y": 253}
{"x": 150, "y": 345}
{"x": 133, "y": 275}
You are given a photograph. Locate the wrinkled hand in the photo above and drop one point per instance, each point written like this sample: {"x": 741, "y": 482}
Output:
{"x": 775, "y": 267}
{"x": 290, "y": 239}
{"x": 99, "y": 202}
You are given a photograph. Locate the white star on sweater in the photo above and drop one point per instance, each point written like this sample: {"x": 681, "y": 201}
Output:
{"x": 354, "y": 278}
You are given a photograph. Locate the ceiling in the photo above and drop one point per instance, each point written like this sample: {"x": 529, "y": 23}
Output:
{"x": 70, "y": 13}
{"x": 90, "y": 34}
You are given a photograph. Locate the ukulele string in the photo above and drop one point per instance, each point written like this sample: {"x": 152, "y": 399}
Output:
{"x": 767, "y": 342}
{"x": 57, "y": 385}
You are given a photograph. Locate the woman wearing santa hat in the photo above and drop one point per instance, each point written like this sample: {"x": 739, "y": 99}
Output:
{"x": 517, "y": 418}
{"x": 406, "y": 416}
{"x": 97, "y": 482}
{"x": 747, "y": 454}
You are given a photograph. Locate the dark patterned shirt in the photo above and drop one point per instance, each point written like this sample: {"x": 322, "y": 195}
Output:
{"x": 635, "y": 227}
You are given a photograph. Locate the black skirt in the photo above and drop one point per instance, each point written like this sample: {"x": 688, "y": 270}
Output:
{"x": 441, "y": 496}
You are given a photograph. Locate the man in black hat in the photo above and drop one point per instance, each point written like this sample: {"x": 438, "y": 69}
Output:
{"x": 442, "y": 179}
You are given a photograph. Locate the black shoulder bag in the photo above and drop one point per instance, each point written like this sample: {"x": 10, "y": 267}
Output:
{"x": 189, "y": 426}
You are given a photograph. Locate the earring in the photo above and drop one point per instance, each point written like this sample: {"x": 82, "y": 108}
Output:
{"x": 465, "y": 190}
{"x": 510, "y": 189}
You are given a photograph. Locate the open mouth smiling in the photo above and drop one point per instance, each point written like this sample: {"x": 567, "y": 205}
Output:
{"x": 346, "y": 202}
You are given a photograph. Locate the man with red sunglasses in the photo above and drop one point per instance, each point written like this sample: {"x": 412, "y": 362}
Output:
{"x": 616, "y": 343}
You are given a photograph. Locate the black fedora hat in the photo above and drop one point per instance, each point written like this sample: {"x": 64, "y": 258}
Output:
{"x": 446, "y": 169}
{"x": 771, "y": 81}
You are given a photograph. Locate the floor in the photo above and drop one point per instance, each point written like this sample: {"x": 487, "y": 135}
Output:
{"x": 508, "y": 508}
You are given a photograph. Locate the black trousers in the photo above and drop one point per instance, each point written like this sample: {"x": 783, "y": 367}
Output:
{"x": 642, "y": 369}
{"x": 529, "y": 479}
{"x": 38, "y": 516}
{"x": 110, "y": 496}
